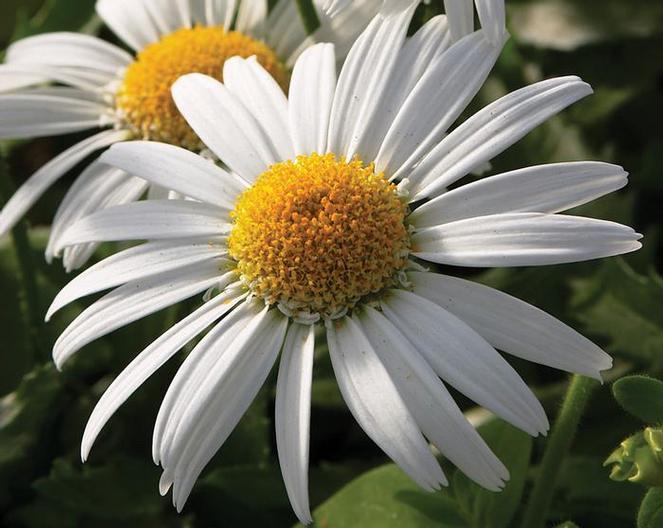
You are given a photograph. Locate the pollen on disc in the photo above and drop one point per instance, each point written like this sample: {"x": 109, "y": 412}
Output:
{"x": 319, "y": 233}
{"x": 144, "y": 102}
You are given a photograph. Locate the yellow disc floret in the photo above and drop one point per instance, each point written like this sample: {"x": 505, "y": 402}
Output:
{"x": 318, "y": 234}
{"x": 144, "y": 100}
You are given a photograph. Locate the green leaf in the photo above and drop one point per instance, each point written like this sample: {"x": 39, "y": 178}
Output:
{"x": 651, "y": 509}
{"x": 496, "y": 510}
{"x": 641, "y": 396}
{"x": 54, "y": 15}
{"x": 384, "y": 498}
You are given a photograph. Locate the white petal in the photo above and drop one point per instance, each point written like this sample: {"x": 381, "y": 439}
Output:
{"x": 492, "y": 130}
{"x": 462, "y": 358}
{"x": 178, "y": 170}
{"x": 153, "y": 219}
{"x": 450, "y": 82}
{"x": 29, "y": 115}
{"x": 523, "y": 239}
{"x": 461, "y": 17}
{"x": 257, "y": 90}
{"x": 364, "y": 79}
{"x": 131, "y": 302}
{"x": 251, "y": 17}
{"x": 225, "y": 125}
{"x": 311, "y": 94}
{"x": 69, "y": 49}
{"x": 98, "y": 187}
{"x": 224, "y": 397}
{"x": 543, "y": 189}
{"x": 149, "y": 361}
{"x": 293, "y": 413}
{"x": 333, "y": 7}
{"x": 431, "y": 404}
{"x": 370, "y": 394}
{"x": 512, "y": 325}
{"x": 492, "y": 17}
{"x": 138, "y": 262}
{"x": 168, "y": 15}
{"x": 18, "y": 75}
{"x": 41, "y": 180}
{"x": 284, "y": 29}
{"x": 214, "y": 12}
{"x": 130, "y": 20}
{"x": 14, "y": 77}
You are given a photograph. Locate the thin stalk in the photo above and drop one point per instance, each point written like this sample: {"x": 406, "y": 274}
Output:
{"x": 557, "y": 447}
{"x": 309, "y": 15}
{"x": 30, "y": 303}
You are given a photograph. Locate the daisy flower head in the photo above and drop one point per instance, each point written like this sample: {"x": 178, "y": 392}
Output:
{"x": 330, "y": 205}
{"x": 92, "y": 84}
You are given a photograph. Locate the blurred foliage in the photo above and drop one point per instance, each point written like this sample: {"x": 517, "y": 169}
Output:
{"x": 618, "y": 48}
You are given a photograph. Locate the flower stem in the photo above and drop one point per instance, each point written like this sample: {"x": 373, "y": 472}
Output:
{"x": 309, "y": 15}
{"x": 561, "y": 438}
{"x": 30, "y": 303}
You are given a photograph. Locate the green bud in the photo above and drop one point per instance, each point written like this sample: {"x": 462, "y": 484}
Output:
{"x": 639, "y": 458}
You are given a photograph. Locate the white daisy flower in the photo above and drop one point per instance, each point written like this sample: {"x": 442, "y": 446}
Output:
{"x": 99, "y": 85}
{"x": 332, "y": 202}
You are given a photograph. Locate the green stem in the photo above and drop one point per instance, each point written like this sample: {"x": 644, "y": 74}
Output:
{"x": 30, "y": 304}
{"x": 557, "y": 447}
{"x": 309, "y": 15}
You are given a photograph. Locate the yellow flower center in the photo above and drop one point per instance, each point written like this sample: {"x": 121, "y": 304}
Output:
{"x": 144, "y": 100}
{"x": 318, "y": 234}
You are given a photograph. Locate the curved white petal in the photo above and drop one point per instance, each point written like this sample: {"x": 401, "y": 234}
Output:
{"x": 251, "y": 17}
{"x": 450, "y": 82}
{"x": 225, "y": 125}
{"x": 135, "y": 263}
{"x": 512, "y": 325}
{"x": 492, "y": 17}
{"x": 293, "y": 413}
{"x": 376, "y": 404}
{"x": 177, "y": 169}
{"x": 491, "y": 130}
{"x": 312, "y": 90}
{"x": 152, "y": 219}
{"x": 431, "y": 404}
{"x": 548, "y": 188}
{"x": 461, "y": 17}
{"x": 363, "y": 81}
{"x": 130, "y": 20}
{"x": 257, "y": 90}
{"x": 462, "y": 358}
{"x": 223, "y": 398}
{"x": 29, "y": 115}
{"x": 132, "y": 301}
{"x": 149, "y": 361}
{"x": 41, "y": 180}
{"x": 284, "y": 29}
{"x": 523, "y": 239}
{"x": 213, "y": 12}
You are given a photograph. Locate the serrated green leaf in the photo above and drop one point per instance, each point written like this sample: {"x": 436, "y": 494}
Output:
{"x": 641, "y": 396}
{"x": 651, "y": 509}
{"x": 384, "y": 498}
{"x": 485, "y": 508}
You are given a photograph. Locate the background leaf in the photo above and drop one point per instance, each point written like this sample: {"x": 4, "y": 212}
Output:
{"x": 641, "y": 396}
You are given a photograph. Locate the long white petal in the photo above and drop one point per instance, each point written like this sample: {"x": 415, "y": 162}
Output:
{"x": 225, "y": 125}
{"x": 491, "y": 130}
{"x": 512, "y": 325}
{"x": 149, "y": 361}
{"x": 153, "y": 219}
{"x": 364, "y": 79}
{"x": 135, "y": 263}
{"x": 69, "y": 50}
{"x": 450, "y": 82}
{"x": 28, "y": 115}
{"x": 461, "y": 17}
{"x": 523, "y": 239}
{"x": 312, "y": 90}
{"x": 130, "y": 20}
{"x": 492, "y": 17}
{"x": 224, "y": 397}
{"x": 293, "y": 413}
{"x": 20, "y": 75}
{"x": 543, "y": 189}
{"x": 178, "y": 170}
{"x": 374, "y": 401}
{"x": 430, "y": 402}
{"x": 465, "y": 360}
{"x": 257, "y": 90}
{"x": 41, "y": 180}
{"x": 251, "y": 17}
{"x": 133, "y": 301}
